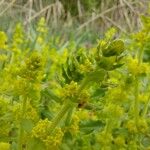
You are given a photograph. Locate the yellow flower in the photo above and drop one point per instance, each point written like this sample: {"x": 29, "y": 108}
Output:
{"x": 143, "y": 97}
{"x": 42, "y": 26}
{"x": 119, "y": 140}
{"x": 41, "y": 131}
{"x": 117, "y": 95}
{"x": 3, "y": 40}
{"x": 3, "y": 57}
{"x": 70, "y": 91}
{"x": 74, "y": 128}
{"x": 4, "y": 146}
{"x": 18, "y": 39}
{"x": 142, "y": 125}
{"x": 113, "y": 110}
{"x": 110, "y": 33}
{"x": 86, "y": 66}
{"x": 131, "y": 126}
{"x": 104, "y": 138}
{"x": 135, "y": 68}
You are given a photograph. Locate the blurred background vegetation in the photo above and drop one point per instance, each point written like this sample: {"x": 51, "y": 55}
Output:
{"x": 74, "y": 18}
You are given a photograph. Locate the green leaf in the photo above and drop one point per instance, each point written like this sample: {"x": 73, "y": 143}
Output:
{"x": 27, "y": 125}
{"x": 120, "y": 131}
{"x": 35, "y": 144}
{"x": 114, "y": 49}
{"x": 48, "y": 93}
{"x": 91, "y": 125}
{"x": 109, "y": 63}
{"x": 95, "y": 76}
{"x": 146, "y": 141}
{"x": 100, "y": 92}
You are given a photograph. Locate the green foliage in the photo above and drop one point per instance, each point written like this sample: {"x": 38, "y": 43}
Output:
{"x": 74, "y": 98}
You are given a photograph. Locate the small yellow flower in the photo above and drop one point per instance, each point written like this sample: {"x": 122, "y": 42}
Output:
{"x": 41, "y": 131}
{"x": 42, "y": 26}
{"x": 135, "y": 68}
{"x": 143, "y": 97}
{"x": 142, "y": 125}
{"x": 119, "y": 140}
{"x": 131, "y": 126}
{"x": 113, "y": 110}
{"x": 110, "y": 33}
{"x": 3, "y": 40}
{"x": 3, "y": 57}
{"x": 104, "y": 138}
{"x": 4, "y": 146}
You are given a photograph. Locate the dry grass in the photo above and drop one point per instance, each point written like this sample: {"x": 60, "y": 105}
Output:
{"x": 124, "y": 14}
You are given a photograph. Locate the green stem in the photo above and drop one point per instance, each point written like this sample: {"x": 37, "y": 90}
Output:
{"x": 69, "y": 116}
{"x": 146, "y": 107}
{"x": 108, "y": 126}
{"x": 136, "y": 102}
{"x": 140, "y": 57}
{"x": 66, "y": 107}
{"x": 59, "y": 116}
{"x": 21, "y": 132}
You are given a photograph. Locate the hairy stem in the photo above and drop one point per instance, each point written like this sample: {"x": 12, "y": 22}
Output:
{"x": 136, "y": 102}
{"x": 59, "y": 116}
{"x": 136, "y": 89}
{"x": 146, "y": 107}
{"x": 21, "y": 132}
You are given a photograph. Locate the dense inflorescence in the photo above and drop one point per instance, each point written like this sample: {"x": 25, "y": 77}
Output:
{"x": 74, "y": 98}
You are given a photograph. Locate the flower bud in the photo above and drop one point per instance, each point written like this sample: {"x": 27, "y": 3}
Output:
{"x": 115, "y": 48}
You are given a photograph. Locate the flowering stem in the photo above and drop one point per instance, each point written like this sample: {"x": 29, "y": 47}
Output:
{"x": 146, "y": 107}
{"x": 69, "y": 116}
{"x": 136, "y": 103}
{"x": 59, "y": 116}
{"x": 21, "y": 132}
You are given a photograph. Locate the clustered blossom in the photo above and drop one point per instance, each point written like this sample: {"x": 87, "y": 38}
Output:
{"x": 3, "y": 40}
{"x": 96, "y": 98}
{"x": 41, "y": 131}
{"x": 4, "y": 146}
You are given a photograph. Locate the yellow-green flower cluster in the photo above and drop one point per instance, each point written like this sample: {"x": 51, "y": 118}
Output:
{"x": 18, "y": 39}
{"x": 135, "y": 68}
{"x": 113, "y": 111}
{"x": 143, "y": 97}
{"x": 141, "y": 127}
{"x": 105, "y": 139}
{"x": 70, "y": 91}
{"x": 42, "y": 31}
{"x": 41, "y": 28}
{"x": 83, "y": 97}
{"x": 119, "y": 141}
{"x": 74, "y": 127}
{"x": 117, "y": 95}
{"x": 131, "y": 126}
{"x": 141, "y": 38}
{"x": 110, "y": 33}
{"x": 56, "y": 59}
{"x": 31, "y": 112}
{"x": 32, "y": 69}
{"x": 3, "y": 40}
{"x": 5, "y": 108}
{"x": 3, "y": 57}
{"x": 53, "y": 141}
{"x": 4, "y": 146}
{"x": 87, "y": 66}
{"x": 4, "y": 105}
{"x": 41, "y": 131}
